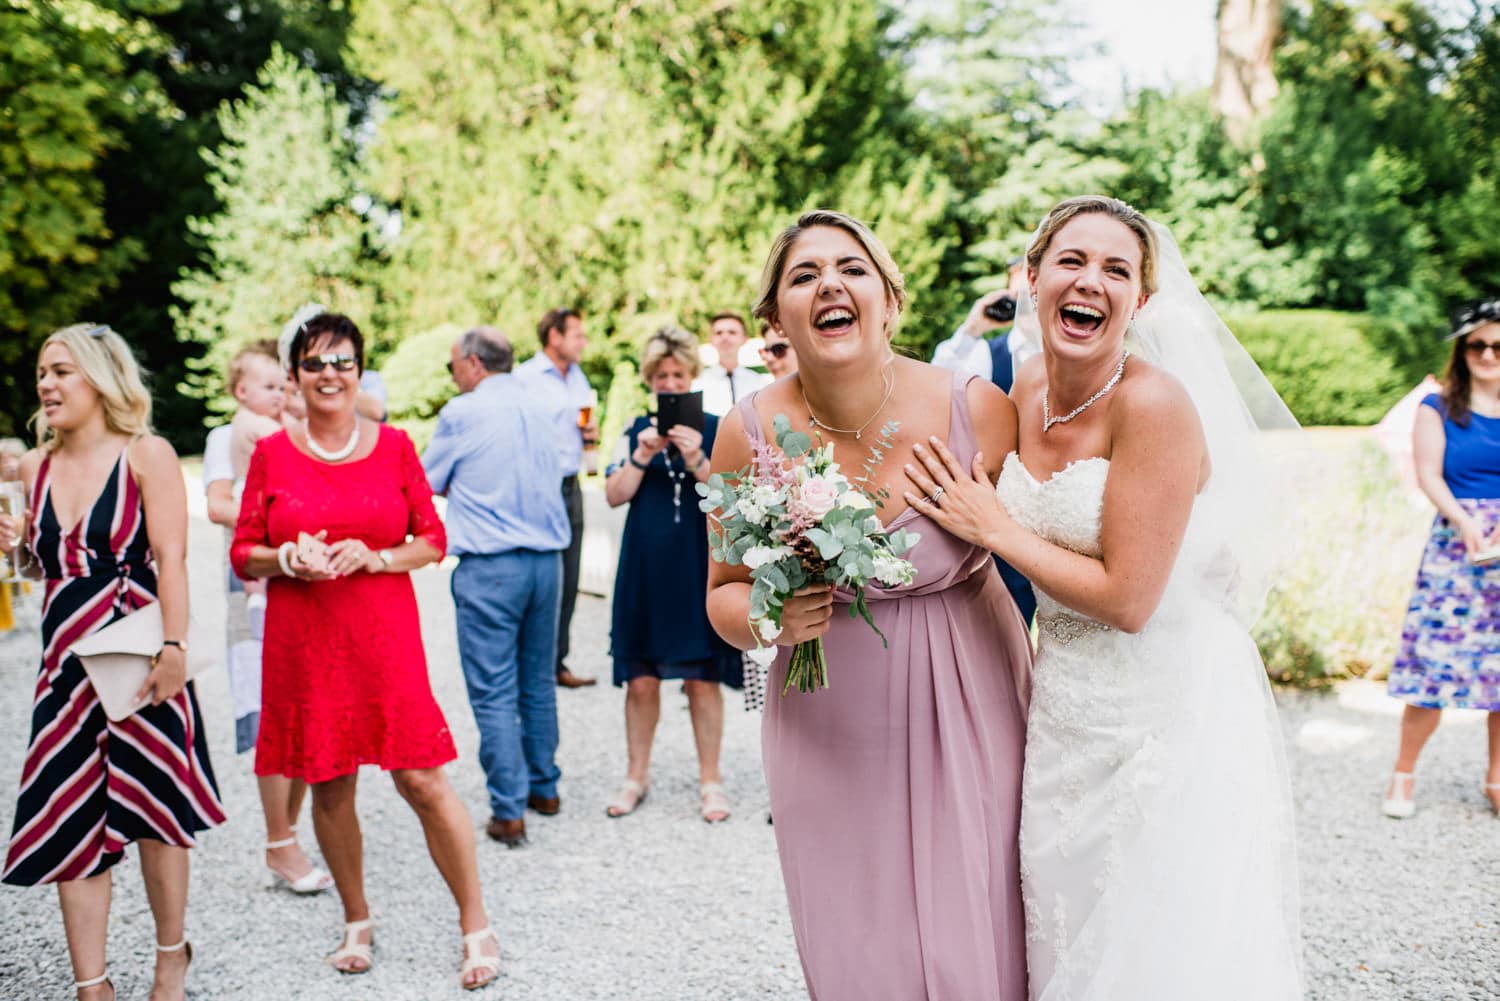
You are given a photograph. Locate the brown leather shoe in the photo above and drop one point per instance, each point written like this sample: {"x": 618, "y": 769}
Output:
{"x": 567, "y": 679}
{"x": 547, "y": 806}
{"x": 510, "y": 833}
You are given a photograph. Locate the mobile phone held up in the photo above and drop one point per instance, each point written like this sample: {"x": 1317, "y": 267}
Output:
{"x": 679, "y": 408}
{"x": 1003, "y": 309}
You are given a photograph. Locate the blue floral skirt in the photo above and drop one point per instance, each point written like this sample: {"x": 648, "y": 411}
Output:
{"x": 1450, "y": 642}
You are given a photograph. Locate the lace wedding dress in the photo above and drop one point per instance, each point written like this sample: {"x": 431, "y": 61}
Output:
{"x": 1157, "y": 856}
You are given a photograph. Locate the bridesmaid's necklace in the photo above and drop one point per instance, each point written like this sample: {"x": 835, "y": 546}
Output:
{"x": 812, "y": 418}
{"x": 338, "y": 454}
{"x": 1048, "y": 420}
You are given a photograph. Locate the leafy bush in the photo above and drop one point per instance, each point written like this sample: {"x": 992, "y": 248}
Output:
{"x": 1335, "y": 610}
{"x": 1329, "y": 367}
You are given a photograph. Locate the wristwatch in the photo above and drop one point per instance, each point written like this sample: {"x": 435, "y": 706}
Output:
{"x": 179, "y": 644}
{"x": 386, "y": 558}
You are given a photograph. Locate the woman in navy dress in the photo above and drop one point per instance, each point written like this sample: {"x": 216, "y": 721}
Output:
{"x": 660, "y": 628}
{"x": 1450, "y": 641}
{"x": 108, "y": 530}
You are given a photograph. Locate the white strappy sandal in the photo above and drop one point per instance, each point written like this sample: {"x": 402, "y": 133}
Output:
{"x": 476, "y": 960}
{"x": 103, "y": 978}
{"x": 715, "y": 806}
{"x": 315, "y": 880}
{"x": 353, "y": 948}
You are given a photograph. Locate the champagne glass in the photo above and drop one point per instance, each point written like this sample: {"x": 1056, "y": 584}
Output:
{"x": 13, "y": 504}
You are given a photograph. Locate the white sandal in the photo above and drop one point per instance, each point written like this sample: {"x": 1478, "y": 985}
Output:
{"x": 1400, "y": 809}
{"x": 1490, "y": 787}
{"x": 103, "y": 978}
{"x": 315, "y": 880}
{"x": 353, "y": 948}
{"x": 715, "y": 801}
{"x": 630, "y": 795}
{"x": 476, "y": 960}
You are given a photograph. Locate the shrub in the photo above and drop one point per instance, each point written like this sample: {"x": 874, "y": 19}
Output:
{"x": 1329, "y": 367}
{"x": 1335, "y": 610}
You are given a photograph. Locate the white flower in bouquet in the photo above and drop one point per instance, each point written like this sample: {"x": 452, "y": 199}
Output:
{"x": 758, "y": 556}
{"x": 855, "y": 500}
{"x": 892, "y": 571}
{"x": 769, "y": 630}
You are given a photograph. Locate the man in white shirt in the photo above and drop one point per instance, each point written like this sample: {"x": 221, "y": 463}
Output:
{"x": 555, "y": 375}
{"x": 728, "y": 382}
{"x": 973, "y": 349}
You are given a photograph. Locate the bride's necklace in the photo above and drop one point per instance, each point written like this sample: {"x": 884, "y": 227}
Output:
{"x": 337, "y": 454}
{"x": 812, "y": 418}
{"x": 1048, "y": 420}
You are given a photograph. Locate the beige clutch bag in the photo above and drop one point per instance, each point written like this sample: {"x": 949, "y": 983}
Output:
{"x": 117, "y": 659}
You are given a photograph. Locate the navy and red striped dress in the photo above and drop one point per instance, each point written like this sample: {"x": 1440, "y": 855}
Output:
{"x": 89, "y": 786}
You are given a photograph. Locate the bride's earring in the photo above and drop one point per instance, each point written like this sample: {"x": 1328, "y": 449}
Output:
{"x": 1033, "y": 299}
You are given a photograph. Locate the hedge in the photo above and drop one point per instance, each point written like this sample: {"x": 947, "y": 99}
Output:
{"x": 1329, "y": 367}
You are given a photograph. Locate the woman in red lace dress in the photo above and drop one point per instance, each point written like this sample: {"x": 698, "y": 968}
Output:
{"x": 344, "y": 677}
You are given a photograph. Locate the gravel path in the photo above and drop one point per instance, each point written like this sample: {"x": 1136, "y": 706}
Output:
{"x": 662, "y": 906}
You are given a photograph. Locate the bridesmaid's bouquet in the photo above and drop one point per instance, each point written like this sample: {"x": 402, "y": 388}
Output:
{"x": 795, "y": 520}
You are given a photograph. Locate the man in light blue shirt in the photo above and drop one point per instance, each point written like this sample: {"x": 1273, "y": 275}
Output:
{"x": 494, "y": 455}
{"x": 555, "y": 376}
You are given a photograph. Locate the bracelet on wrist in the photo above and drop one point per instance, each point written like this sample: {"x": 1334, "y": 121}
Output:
{"x": 284, "y": 557}
{"x": 637, "y": 463}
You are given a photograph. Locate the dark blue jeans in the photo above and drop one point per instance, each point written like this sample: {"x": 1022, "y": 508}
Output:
{"x": 506, "y": 607}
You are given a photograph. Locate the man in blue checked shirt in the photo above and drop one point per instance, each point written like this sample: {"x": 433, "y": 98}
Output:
{"x": 494, "y": 455}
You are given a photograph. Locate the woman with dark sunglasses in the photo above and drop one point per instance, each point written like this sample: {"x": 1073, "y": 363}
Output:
{"x": 327, "y": 509}
{"x": 777, "y": 352}
{"x": 1449, "y": 655}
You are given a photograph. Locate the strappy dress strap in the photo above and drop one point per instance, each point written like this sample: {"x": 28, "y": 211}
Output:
{"x": 961, "y": 440}
{"x": 751, "y": 418}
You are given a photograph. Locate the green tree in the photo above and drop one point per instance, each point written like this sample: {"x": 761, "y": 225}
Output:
{"x": 208, "y": 52}
{"x": 287, "y": 232}
{"x": 1360, "y": 158}
{"x": 66, "y": 101}
{"x": 632, "y": 161}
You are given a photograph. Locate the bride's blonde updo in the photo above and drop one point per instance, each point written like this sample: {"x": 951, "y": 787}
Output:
{"x": 770, "y": 276}
{"x": 1064, "y": 211}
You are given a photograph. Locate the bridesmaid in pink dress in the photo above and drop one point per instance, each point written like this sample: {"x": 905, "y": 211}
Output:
{"x": 896, "y": 791}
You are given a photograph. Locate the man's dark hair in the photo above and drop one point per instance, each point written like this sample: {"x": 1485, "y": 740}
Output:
{"x": 553, "y": 319}
{"x": 331, "y": 326}
{"x": 729, "y": 314}
{"x": 488, "y": 345}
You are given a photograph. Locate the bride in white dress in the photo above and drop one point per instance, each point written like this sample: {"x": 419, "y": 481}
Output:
{"x": 1157, "y": 853}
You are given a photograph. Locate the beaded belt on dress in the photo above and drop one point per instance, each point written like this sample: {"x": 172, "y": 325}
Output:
{"x": 1065, "y": 628}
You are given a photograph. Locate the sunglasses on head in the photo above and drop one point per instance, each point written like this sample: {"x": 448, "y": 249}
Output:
{"x": 313, "y": 364}
{"x": 776, "y": 350}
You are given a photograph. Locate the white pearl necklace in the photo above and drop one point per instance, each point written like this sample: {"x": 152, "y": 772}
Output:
{"x": 338, "y": 454}
{"x": 1048, "y": 420}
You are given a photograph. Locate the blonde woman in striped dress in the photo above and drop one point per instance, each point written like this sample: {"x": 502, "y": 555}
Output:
{"x": 107, "y": 525}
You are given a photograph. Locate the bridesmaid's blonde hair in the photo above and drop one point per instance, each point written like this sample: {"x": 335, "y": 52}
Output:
{"x": 781, "y": 248}
{"x": 106, "y": 362}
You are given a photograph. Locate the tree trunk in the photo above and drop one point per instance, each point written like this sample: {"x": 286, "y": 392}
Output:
{"x": 1244, "y": 81}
